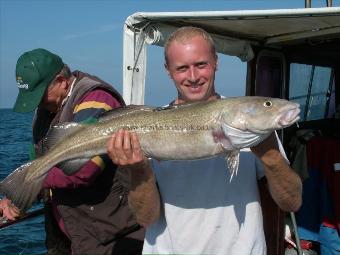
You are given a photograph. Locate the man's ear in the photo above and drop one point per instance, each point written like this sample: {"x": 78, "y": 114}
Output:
{"x": 62, "y": 81}
{"x": 216, "y": 62}
{"x": 59, "y": 78}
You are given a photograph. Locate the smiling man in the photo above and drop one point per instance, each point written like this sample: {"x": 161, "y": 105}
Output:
{"x": 191, "y": 207}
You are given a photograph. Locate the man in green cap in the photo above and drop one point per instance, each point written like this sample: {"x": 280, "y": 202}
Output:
{"x": 85, "y": 211}
{"x": 35, "y": 71}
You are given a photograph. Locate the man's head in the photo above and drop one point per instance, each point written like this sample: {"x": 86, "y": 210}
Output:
{"x": 36, "y": 70}
{"x": 191, "y": 61}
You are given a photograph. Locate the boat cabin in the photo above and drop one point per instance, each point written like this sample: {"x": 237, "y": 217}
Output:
{"x": 289, "y": 53}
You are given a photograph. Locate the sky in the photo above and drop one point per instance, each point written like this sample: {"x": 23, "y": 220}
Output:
{"x": 88, "y": 36}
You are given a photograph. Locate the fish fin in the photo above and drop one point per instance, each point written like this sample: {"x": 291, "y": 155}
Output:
{"x": 121, "y": 111}
{"x": 175, "y": 106}
{"x": 57, "y": 133}
{"x": 168, "y": 107}
{"x": 233, "y": 161}
{"x": 20, "y": 191}
{"x": 242, "y": 138}
{"x": 220, "y": 137}
{"x": 71, "y": 166}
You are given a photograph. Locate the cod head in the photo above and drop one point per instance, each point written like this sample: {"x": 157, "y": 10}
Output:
{"x": 249, "y": 120}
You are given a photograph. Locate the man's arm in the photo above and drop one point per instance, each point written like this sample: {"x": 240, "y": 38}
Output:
{"x": 85, "y": 176}
{"x": 144, "y": 199}
{"x": 284, "y": 184}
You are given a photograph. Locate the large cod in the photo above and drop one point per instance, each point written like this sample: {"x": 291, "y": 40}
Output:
{"x": 190, "y": 131}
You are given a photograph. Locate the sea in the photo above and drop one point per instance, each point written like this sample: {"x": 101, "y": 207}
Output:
{"x": 26, "y": 237}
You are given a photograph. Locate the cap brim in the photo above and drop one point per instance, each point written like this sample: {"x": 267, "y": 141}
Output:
{"x": 28, "y": 101}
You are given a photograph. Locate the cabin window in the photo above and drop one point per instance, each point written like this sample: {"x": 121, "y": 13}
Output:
{"x": 313, "y": 87}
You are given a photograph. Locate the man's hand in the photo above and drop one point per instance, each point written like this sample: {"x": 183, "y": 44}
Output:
{"x": 8, "y": 210}
{"x": 268, "y": 150}
{"x": 124, "y": 149}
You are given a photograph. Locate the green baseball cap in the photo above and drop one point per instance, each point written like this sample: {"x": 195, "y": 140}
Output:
{"x": 35, "y": 70}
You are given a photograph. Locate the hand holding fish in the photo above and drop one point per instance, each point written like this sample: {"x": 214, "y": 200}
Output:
{"x": 8, "y": 210}
{"x": 267, "y": 149}
{"x": 124, "y": 149}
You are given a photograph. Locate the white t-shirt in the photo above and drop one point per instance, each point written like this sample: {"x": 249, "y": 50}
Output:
{"x": 204, "y": 211}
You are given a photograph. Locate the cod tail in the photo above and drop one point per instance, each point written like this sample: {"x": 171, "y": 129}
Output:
{"x": 19, "y": 190}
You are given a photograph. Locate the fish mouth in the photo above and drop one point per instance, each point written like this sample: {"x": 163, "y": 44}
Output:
{"x": 289, "y": 117}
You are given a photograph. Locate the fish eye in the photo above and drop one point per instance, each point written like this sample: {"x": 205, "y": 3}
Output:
{"x": 267, "y": 104}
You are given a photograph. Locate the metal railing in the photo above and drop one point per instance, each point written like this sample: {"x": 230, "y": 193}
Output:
{"x": 308, "y": 3}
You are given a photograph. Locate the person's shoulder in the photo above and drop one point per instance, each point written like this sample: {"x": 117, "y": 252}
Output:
{"x": 100, "y": 95}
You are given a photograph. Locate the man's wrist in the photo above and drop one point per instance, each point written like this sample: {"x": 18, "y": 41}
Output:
{"x": 137, "y": 174}
{"x": 272, "y": 158}
{"x": 139, "y": 167}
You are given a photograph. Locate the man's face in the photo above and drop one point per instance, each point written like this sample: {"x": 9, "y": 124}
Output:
{"x": 192, "y": 67}
{"x": 54, "y": 96}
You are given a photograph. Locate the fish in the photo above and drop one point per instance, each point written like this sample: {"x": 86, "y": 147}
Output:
{"x": 181, "y": 132}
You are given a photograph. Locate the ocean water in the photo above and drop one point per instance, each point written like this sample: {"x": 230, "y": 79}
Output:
{"x": 28, "y": 236}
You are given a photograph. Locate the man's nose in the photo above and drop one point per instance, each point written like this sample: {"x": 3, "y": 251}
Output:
{"x": 193, "y": 76}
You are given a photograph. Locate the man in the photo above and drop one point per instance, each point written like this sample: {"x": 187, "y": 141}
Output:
{"x": 191, "y": 207}
{"x": 86, "y": 212}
